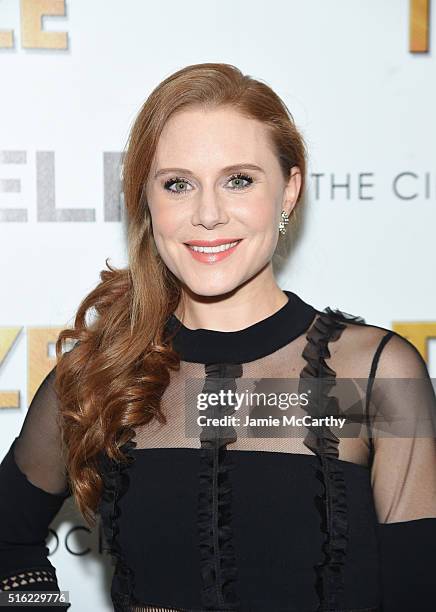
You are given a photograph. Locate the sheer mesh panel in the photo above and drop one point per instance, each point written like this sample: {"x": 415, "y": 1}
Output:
{"x": 38, "y": 449}
{"x": 285, "y": 363}
{"x": 403, "y": 470}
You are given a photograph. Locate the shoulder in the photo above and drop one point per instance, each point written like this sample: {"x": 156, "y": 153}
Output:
{"x": 361, "y": 342}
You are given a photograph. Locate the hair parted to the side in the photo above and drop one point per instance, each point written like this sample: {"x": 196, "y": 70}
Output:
{"x": 113, "y": 379}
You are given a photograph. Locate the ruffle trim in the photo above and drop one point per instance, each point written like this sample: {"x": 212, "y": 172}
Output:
{"x": 332, "y": 503}
{"x": 217, "y": 554}
{"x": 116, "y": 482}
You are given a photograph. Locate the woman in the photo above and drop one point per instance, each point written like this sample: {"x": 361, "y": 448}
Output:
{"x": 208, "y": 515}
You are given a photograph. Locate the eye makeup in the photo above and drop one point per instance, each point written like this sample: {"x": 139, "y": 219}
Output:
{"x": 178, "y": 179}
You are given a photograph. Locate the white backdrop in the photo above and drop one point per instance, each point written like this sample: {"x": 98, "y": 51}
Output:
{"x": 362, "y": 99}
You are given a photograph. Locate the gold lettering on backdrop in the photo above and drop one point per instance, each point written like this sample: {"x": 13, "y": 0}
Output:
{"x": 32, "y": 34}
{"x": 39, "y": 361}
{"x": 6, "y": 39}
{"x": 418, "y": 334}
{"x": 8, "y": 337}
{"x": 33, "y": 37}
{"x": 419, "y": 26}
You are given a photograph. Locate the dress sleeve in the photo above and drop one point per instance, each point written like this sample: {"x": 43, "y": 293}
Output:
{"x": 403, "y": 475}
{"x": 33, "y": 487}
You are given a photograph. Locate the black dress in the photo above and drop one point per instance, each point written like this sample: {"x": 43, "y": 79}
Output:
{"x": 298, "y": 518}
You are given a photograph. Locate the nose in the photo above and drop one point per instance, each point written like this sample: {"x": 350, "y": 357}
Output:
{"x": 209, "y": 209}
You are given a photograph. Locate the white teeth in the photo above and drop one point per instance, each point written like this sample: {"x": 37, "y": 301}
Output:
{"x": 215, "y": 249}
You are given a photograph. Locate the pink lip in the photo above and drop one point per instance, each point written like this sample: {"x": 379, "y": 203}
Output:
{"x": 211, "y": 258}
{"x": 212, "y": 243}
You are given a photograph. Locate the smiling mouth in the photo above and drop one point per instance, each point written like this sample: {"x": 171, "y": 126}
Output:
{"x": 213, "y": 254}
{"x": 213, "y": 249}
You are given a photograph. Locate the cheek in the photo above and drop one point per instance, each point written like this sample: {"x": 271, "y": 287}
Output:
{"x": 165, "y": 220}
{"x": 167, "y": 224}
{"x": 260, "y": 215}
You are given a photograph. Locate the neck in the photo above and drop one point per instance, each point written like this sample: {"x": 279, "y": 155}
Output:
{"x": 232, "y": 311}
{"x": 249, "y": 342}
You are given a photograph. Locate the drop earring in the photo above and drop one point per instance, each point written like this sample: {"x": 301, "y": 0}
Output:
{"x": 283, "y": 223}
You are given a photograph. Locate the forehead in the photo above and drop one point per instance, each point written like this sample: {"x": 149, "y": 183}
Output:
{"x": 213, "y": 136}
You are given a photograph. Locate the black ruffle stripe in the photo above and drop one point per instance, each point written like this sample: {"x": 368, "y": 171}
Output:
{"x": 332, "y": 503}
{"x": 217, "y": 555}
{"x": 115, "y": 484}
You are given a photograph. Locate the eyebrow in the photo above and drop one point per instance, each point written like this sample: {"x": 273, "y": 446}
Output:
{"x": 231, "y": 168}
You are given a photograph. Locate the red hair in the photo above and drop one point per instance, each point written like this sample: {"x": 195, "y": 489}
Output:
{"x": 113, "y": 379}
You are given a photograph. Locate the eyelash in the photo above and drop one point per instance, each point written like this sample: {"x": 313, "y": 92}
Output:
{"x": 178, "y": 179}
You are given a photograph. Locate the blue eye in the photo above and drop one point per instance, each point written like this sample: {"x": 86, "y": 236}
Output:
{"x": 183, "y": 182}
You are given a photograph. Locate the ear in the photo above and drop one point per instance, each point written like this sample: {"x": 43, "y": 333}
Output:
{"x": 292, "y": 190}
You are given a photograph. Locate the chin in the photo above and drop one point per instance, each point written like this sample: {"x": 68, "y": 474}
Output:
{"x": 209, "y": 287}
